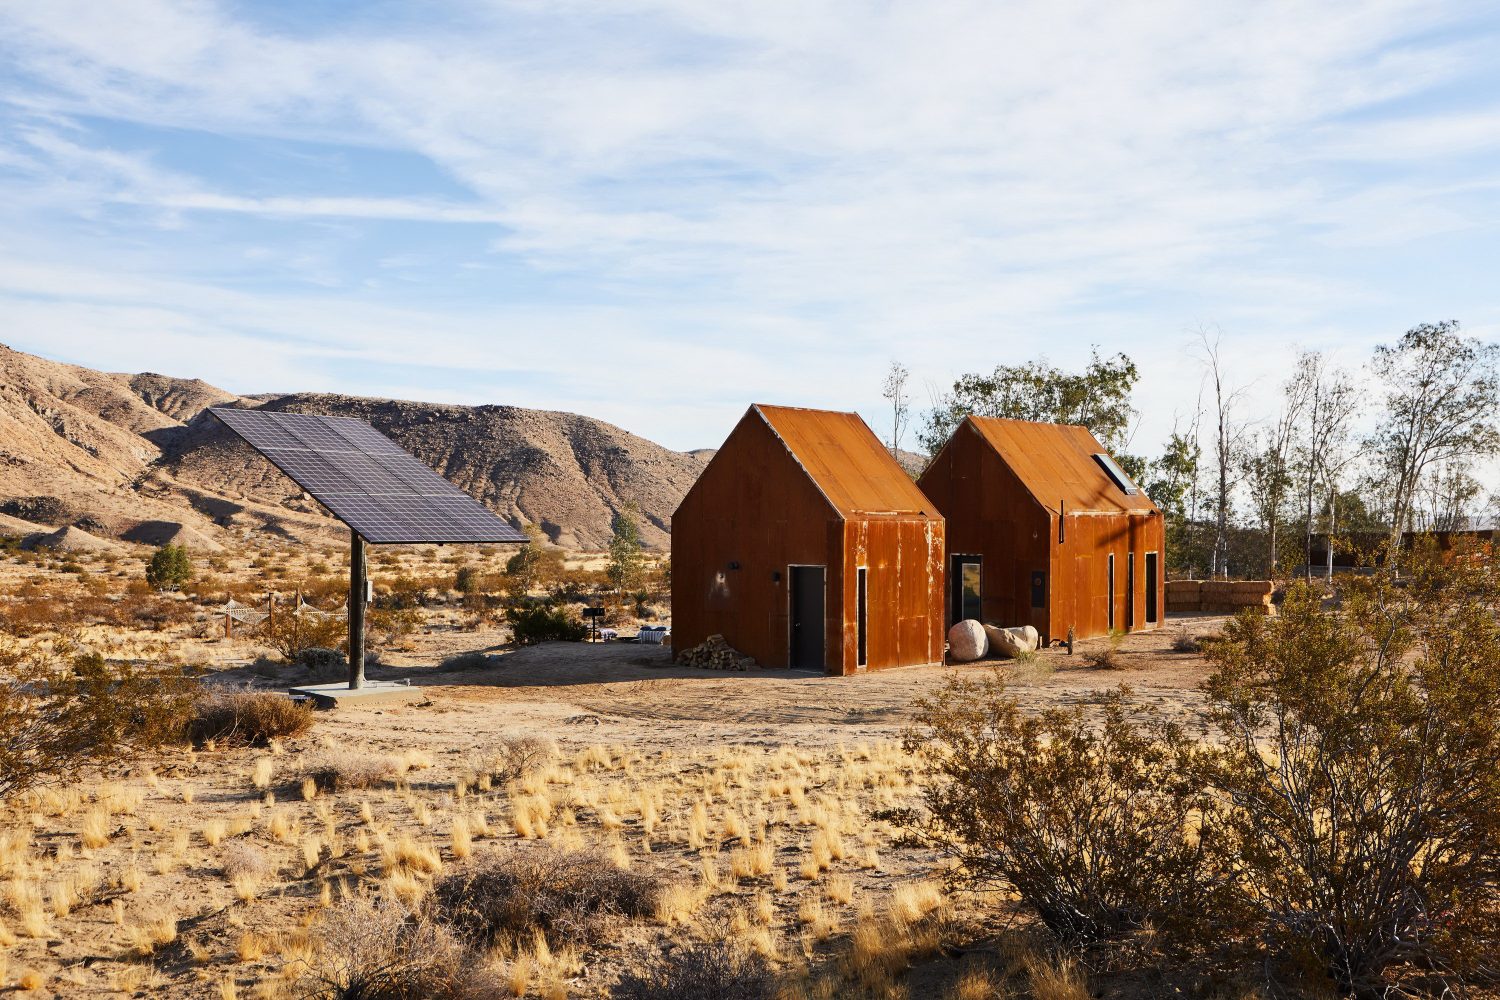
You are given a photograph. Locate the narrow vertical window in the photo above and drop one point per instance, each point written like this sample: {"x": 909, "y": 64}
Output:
{"x": 862, "y": 613}
{"x": 1109, "y": 599}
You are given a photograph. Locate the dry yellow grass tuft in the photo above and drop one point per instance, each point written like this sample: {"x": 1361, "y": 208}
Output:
{"x": 1055, "y": 980}
{"x": 262, "y": 773}
{"x": 406, "y": 853}
{"x": 678, "y": 903}
{"x": 214, "y": 832}
{"x": 911, "y": 901}
{"x": 157, "y": 928}
{"x": 751, "y": 862}
{"x": 461, "y": 838}
{"x": 26, "y": 903}
{"x": 840, "y": 889}
{"x": 95, "y": 831}
{"x": 975, "y": 982}
{"x": 250, "y": 947}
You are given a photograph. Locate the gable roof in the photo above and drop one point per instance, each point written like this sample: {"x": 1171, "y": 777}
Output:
{"x": 1056, "y": 463}
{"x": 846, "y": 461}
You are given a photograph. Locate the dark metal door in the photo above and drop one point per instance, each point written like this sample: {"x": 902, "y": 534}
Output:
{"x": 807, "y": 617}
{"x": 1129, "y": 591}
{"x": 1151, "y": 585}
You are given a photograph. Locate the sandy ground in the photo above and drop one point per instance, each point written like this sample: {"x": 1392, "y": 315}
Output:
{"x": 627, "y": 693}
{"x": 733, "y": 741}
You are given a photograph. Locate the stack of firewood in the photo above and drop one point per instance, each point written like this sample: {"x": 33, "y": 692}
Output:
{"x": 714, "y": 653}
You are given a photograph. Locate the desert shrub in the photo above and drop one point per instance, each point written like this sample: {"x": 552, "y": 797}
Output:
{"x": 243, "y": 718}
{"x": 242, "y": 859}
{"x": 468, "y": 580}
{"x": 520, "y": 755}
{"x": 511, "y": 895}
{"x": 324, "y": 589}
{"x": 1359, "y": 752}
{"x": 169, "y": 568}
{"x": 289, "y": 634}
{"x": 1186, "y": 642}
{"x": 534, "y": 565}
{"x": 391, "y": 626}
{"x": 405, "y": 592}
{"x": 36, "y": 613}
{"x": 341, "y": 770}
{"x": 473, "y": 659}
{"x": 1086, "y": 821}
{"x": 321, "y": 658}
{"x": 377, "y": 950}
{"x": 714, "y": 969}
{"x": 62, "y": 709}
{"x": 544, "y": 623}
{"x": 1107, "y": 658}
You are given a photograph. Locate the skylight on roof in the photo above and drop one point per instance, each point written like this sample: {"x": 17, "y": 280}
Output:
{"x": 1117, "y": 474}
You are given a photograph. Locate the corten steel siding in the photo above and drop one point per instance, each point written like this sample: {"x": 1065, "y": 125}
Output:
{"x": 752, "y": 506}
{"x": 904, "y": 558}
{"x": 1080, "y": 591}
{"x": 989, "y": 513}
{"x": 762, "y": 506}
{"x": 1012, "y": 523}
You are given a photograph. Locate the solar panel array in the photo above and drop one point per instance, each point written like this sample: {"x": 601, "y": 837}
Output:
{"x": 366, "y": 479}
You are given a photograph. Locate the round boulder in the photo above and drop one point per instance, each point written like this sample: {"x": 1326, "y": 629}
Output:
{"x": 966, "y": 641}
{"x": 1012, "y": 642}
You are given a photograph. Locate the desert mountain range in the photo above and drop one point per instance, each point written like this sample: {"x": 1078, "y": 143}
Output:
{"x": 93, "y": 457}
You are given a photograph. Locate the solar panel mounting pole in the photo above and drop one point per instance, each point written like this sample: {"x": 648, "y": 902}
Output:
{"x": 358, "y": 590}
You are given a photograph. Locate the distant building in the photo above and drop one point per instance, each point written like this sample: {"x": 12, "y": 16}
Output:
{"x": 806, "y": 545}
{"x": 1045, "y": 529}
{"x": 1353, "y": 552}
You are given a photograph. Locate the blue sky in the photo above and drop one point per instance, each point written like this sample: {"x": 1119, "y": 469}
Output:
{"x": 658, "y": 211}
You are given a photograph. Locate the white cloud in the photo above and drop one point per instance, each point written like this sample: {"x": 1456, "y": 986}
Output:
{"x": 786, "y": 195}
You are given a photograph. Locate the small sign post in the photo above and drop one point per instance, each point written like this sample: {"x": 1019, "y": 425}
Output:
{"x": 594, "y": 616}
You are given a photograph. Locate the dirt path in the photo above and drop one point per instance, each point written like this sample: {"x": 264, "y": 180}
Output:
{"x": 618, "y": 692}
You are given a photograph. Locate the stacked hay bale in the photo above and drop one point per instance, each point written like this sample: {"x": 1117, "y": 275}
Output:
{"x": 1220, "y": 597}
{"x": 714, "y": 653}
{"x": 1184, "y": 595}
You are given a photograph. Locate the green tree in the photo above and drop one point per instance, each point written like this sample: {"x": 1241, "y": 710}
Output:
{"x": 169, "y": 568}
{"x": 1173, "y": 482}
{"x": 468, "y": 580}
{"x": 534, "y": 565}
{"x": 1442, "y": 393}
{"x": 627, "y": 562}
{"x": 1098, "y": 398}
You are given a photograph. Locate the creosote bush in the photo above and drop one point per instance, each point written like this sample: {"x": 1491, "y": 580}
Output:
{"x": 290, "y": 634}
{"x": 544, "y": 623}
{"x": 230, "y": 718}
{"x": 375, "y": 949}
{"x": 509, "y": 895}
{"x": 61, "y": 708}
{"x": 717, "y": 970}
{"x": 341, "y": 770}
{"x": 1086, "y": 822}
{"x": 1339, "y": 831}
{"x": 1360, "y": 756}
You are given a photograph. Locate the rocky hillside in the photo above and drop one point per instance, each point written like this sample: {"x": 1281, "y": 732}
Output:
{"x": 135, "y": 457}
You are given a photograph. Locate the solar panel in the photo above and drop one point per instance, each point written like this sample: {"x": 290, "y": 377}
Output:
{"x": 1117, "y": 474}
{"x": 366, "y": 479}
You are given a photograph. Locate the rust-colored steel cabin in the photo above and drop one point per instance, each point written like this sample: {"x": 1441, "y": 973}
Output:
{"x": 806, "y": 545}
{"x": 1044, "y": 529}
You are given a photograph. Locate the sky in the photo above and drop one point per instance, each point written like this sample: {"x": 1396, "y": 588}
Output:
{"x": 656, "y": 212}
